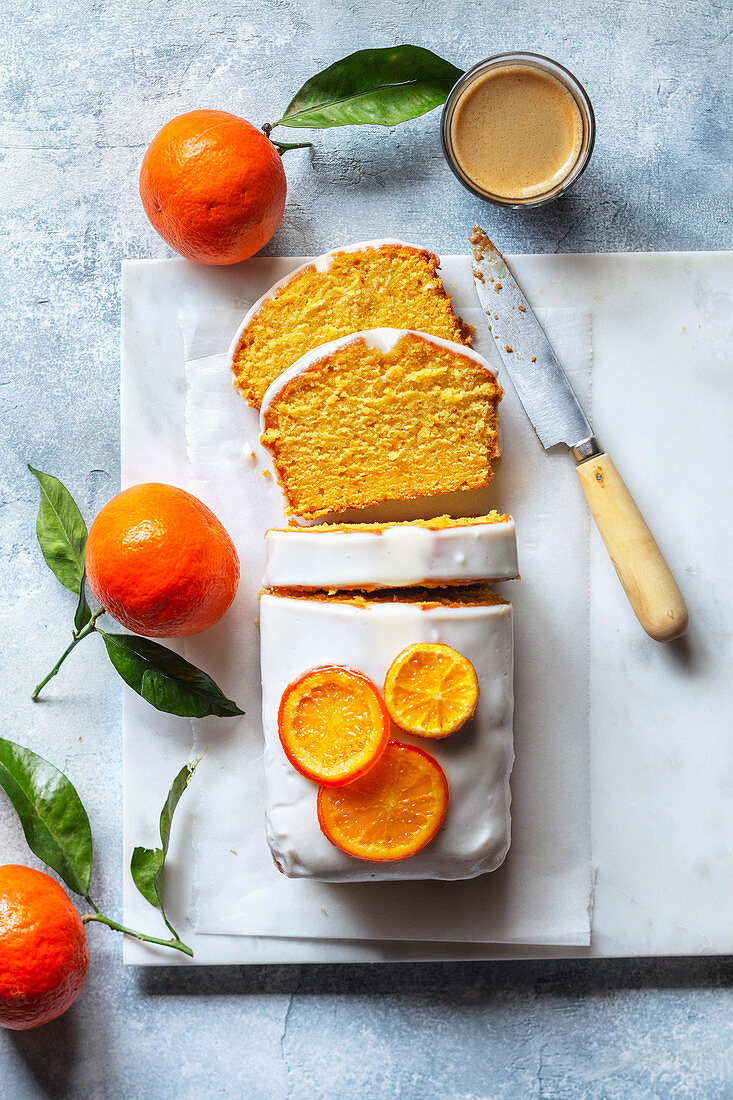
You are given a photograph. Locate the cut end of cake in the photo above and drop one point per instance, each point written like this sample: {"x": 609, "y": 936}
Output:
{"x": 426, "y": 598}
{"x": 381, "y": 415}
{"x": 436, "y": 523}
{"x": 372, "y": 285}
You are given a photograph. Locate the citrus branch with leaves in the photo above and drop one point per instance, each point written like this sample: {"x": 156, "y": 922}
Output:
{"x": 57, "y": 829}
{"x": 162, "y": 677}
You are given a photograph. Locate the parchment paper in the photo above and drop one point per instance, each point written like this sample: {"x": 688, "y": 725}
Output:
{"x": 541, "y": 894}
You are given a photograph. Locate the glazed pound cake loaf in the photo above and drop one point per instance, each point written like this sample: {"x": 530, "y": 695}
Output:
{"x": 386, "y": 414}
{"x": 388, "y": 733}
{"x": 370, "y": 285}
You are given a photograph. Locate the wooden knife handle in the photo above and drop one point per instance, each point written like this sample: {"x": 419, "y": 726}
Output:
{"x": 647, "y": 581}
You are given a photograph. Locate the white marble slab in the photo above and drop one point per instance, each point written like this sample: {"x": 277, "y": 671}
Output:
{"x": 660, "y": 763}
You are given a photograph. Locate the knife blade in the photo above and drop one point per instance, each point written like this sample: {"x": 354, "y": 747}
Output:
{"x": 557, "y": 417}
{"x": 537, "y": 376}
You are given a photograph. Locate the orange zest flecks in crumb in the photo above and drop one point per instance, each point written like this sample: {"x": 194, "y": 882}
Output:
{"x": 392, "y": 286}
{"x": 437, "y": 523}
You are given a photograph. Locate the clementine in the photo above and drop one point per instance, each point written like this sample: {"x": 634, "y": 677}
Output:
{"x": 213, "y": 186}
{"x": 161, "y": 562}
{"x": 44, "y": 954}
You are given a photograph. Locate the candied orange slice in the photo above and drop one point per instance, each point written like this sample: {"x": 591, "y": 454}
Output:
{"x": 333, "y": 724}
{"x": 391, "y": 812}
{"x": 430, "y": 690}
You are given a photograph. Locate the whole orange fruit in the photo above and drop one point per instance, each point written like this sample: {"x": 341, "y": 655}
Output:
{"x": 161, "y": 562}
{"x": 44, "y": 954}
{"x": 213, "y": 186}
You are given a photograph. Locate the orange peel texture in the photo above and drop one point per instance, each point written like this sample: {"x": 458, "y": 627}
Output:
{"x": 161, "y": 562}
{"x": 44, "y": 954}
{"x": 213, "y": 186}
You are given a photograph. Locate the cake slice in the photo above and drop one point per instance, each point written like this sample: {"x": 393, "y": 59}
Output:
{"x": 386, "y": 414}
{"x": 370, "y": 285}
{"x": 368, "y": 556}
{"x": 366, "y": 633}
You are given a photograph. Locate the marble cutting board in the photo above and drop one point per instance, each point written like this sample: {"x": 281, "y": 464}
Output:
{"x": 661, "y": 774}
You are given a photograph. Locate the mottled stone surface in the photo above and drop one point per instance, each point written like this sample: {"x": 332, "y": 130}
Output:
{"x": 85, "y": 85}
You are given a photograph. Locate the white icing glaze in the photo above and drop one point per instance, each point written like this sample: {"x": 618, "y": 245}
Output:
{"x": 383, "y": 339}
{"x": 321, "y": 264}
{"x": 393, "y": 556}
{"x": 297, "y": 634}
{"x": 249, "y": 457}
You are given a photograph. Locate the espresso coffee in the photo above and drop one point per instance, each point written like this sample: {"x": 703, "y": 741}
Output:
{"x": 516, "y": 132}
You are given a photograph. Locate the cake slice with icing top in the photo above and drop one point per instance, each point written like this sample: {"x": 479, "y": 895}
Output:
{"x": 368, "y": 556}
{"x": 366, "y": 285}
{"x": 385, "y": 414}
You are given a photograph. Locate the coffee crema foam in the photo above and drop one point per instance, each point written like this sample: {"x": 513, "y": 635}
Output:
{"x": 516, "y": 132}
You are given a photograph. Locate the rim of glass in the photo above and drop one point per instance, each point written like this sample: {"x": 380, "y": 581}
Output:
{"x": 567, "y": 79}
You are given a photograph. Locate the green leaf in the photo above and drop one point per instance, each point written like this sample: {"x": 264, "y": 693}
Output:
{"x": 165, "y": 680}
{"x": 373, "y": 87}
{"x": 178, "y": 786}
{"x": 144, "y": 866}
{"x": 54, "y": 820}
{"x": 148, "y": 864}
{"x": 61, "y": 531}
{"x": 83, "y": 613}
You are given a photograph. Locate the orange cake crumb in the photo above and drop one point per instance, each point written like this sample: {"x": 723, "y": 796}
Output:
{"x": 361, "y": 425}
{"x": 467, "y": 595}
{"x": 438, "y": 523}
{"x": 383, "y": 286}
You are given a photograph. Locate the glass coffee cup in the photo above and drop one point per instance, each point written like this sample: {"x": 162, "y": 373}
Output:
{"x": 518, "y": 129}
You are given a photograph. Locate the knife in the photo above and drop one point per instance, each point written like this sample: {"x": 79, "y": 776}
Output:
{"x": 557, "y": 417}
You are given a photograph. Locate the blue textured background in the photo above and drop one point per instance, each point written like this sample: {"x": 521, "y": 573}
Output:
{"x": 85, "y": 85}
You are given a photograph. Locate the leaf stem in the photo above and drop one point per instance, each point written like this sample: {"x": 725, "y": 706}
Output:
{"x": 176, "y": 944}
{"x": 283, "y": 146}
{"x": 78, "y": 635}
